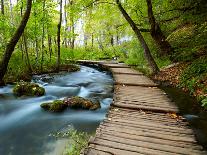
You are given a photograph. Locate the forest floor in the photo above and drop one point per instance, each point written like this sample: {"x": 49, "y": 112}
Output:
{"x": 170, "y": 76}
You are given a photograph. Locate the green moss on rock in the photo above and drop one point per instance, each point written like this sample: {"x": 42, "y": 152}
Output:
{"x": 77, "y": 102}
{"x": 55, "y": 106}
{"x": 28, "y": 89}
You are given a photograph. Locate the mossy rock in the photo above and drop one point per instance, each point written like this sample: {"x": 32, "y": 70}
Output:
{"x": 77, "y": 102}
{"x": 28, "y": 89}
{"x": 95, "y": 106}
{"x": 55, "y": 106}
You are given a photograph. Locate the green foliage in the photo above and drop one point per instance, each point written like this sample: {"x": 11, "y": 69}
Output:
{"x": 89, "y": 54}
{"x": 204, "y": 102}
{"x": 78, "y": 141}
{"x": 194, "y": 75}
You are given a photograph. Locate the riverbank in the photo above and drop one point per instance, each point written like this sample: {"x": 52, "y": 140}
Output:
{"x": 26, "y": 75}
{"x": 177, "y": 75}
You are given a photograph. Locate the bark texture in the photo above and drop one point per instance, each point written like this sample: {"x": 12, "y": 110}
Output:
{"x": 13, "y": 41}
{"x": 58, "y": 38}
{"x": 151, "y": 62}
{"x": 156, "y": 32}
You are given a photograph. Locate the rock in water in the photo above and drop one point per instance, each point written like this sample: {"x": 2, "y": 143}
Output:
{"x": 95, "y": 106}
{"x": 28, "y": 89}
{"x": 55, "y": 106}
{"x": 74, "y": 102}
{"x": 77, "y": 102}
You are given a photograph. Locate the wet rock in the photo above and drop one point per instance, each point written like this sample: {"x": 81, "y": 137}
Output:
{"x": 28, "y": 89}
{"x": 95, "y": 106}
{"x": 77, "y": 102}
{"x": 55, "y": 106}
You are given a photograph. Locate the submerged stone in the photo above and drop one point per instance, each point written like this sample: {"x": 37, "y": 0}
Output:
{"x": 55, "y": 106}
{"x": 28, "y": 89}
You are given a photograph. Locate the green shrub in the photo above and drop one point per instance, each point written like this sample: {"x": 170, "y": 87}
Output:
{"x": 78, "y": 141}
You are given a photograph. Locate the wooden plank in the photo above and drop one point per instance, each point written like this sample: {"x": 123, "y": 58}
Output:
{"x": 146, "y": 129}
{"x": 113, "y": 151}
{"x": 149, "y": 124}
{"x": 150, "y": 139}
{"x": 133, "y": 80}
{"x": 128, "y": 147}
{"x": 92, "y": 151}
{"x": 150, "y": 145}
{"x": 110, "y": 65}
{"x": 125, "y": 71}
{"x": 138, "y": 107}
{"x": 148, "y": 134}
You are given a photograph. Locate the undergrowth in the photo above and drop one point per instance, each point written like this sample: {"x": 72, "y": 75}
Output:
{"x": 77, "y": 141}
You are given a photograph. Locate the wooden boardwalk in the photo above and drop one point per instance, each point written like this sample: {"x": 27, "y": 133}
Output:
{"x": 141, "y": 120}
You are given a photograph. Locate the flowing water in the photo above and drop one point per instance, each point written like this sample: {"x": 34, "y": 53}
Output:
{"x": 192, "y": 111}
{"x": 25, "y": 127}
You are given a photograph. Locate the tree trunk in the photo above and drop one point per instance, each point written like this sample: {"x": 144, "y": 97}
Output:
{"x": 72, "y": 28}
{"x": 50, "y": 46}
{"x": 151, "y": 62}
{"x": 12, "y": 43}
{"x": 2, "y": 7}
{"x": 43, "y": 34}
{"x": 92, "y": 40}
{"x": 58, "y": 38}
{"x": 156, "y": 32}
{"x": 26, "y": 53}
{"x": 66, "y": 24}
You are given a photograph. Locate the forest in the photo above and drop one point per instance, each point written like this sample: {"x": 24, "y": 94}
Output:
{"x": 37, "y": 36}
{"x": 164, "y": 39}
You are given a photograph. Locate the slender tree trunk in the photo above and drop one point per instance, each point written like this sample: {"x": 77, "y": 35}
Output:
{"x": 157, "y": 33}
{"x": 11, "y": 12}
{"x": 151, "y": 62}
{"x": 58, "y": 38}
{"x": 36, "y": 39}
{"x": 43, "y": 34}
{"x": 92, "y": 40}
{"x": 66, "y": 24}
{"x": 72, "y": 28}
{"x": 26, "y": 53}
{"x": 50, "y": 46}
{"x": 12, "y": 43}
{"x": 73, "y": 34}
{"x": 2, "y": 7}
{"x": 117, "y": 36}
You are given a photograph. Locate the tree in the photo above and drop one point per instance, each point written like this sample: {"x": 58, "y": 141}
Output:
{"x": 58, "y": 38}
{"x": 13, "y": 41}
{"x": 2, "y": 7}
{"x": 152, "y": 64}
{"x": 157, "y": 33}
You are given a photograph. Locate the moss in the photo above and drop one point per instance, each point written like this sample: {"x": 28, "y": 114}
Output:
{"x": 77, "y": 102}
{"x": 28, "y": 89}
{"x": 55, "y": 106}
{"x": 95, "y": 106}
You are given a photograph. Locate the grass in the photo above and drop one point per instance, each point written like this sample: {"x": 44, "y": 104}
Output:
{"x": 77, "y": 141}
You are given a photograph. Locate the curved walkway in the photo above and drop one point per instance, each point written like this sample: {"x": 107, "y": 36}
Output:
{"x": 141, "y": 120}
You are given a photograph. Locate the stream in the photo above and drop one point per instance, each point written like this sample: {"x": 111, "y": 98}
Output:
{"x": 25, "y": 128}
